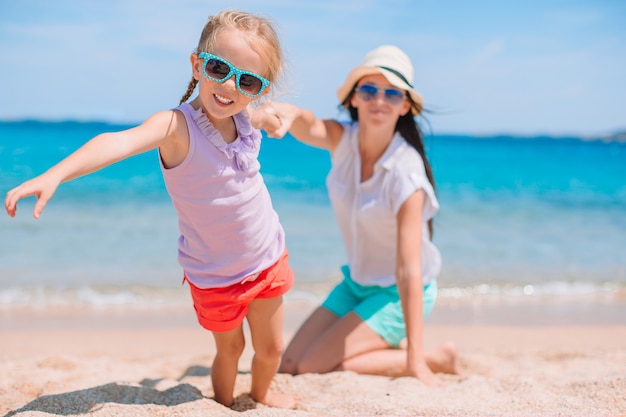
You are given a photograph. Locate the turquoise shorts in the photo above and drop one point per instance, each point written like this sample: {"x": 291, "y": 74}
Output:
{"x": 379, "y": 307}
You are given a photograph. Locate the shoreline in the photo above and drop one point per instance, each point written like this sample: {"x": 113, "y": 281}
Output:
{"x": 608, "y": 309}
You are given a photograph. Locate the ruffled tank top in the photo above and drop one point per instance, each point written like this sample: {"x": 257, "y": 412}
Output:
{"x": 229, "y": 229}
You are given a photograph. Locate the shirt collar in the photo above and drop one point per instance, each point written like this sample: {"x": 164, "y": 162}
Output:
{"x": 393, "y": 151}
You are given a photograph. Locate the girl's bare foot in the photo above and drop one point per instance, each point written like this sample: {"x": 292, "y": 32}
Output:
{"x": 278, "y": 400}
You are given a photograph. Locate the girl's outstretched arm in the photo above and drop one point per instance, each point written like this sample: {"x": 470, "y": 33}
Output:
{"x": 99, "y": 152}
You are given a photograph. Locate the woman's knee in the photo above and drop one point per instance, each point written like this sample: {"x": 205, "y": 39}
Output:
{"x": 314, "y": 365}
{"x": 288, "y": 364}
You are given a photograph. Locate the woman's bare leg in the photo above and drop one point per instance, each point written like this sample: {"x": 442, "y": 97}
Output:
{"x": 346, "y": 337}
{"x": 308, "y": 333}
{"x": 392, "y": 361}
{"x": 265, "y": 318}
{"x": 348, "y": 343}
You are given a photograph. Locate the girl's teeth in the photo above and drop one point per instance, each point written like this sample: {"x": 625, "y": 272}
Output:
{"x": 223, "y": 100}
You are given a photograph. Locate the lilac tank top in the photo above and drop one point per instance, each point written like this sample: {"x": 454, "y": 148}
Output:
{"x": 229, "y": 229}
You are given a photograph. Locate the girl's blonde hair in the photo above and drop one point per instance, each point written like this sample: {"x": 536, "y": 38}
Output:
{"x": 263, "y": 39}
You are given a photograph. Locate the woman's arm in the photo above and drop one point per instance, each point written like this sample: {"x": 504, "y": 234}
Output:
{"x": 301, "y": 123}
{"x": 410, "y": 287}
{"x": 99, "y": 152}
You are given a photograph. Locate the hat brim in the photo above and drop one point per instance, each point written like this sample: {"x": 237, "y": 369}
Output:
{"x": 359, "y": 72}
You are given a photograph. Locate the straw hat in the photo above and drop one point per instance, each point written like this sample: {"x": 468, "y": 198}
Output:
{"x": 391, "y": 62}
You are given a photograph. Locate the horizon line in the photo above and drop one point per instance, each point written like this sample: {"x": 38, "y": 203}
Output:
{"x": 618, "y": 135}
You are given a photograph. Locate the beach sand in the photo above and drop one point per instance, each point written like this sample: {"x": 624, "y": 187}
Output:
{"x": 157, "y": 362}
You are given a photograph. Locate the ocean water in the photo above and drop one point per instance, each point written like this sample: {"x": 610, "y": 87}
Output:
{"x": 520, "y": 217}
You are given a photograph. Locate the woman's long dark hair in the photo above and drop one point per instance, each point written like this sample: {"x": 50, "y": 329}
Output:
{"x": 408, "y": 127}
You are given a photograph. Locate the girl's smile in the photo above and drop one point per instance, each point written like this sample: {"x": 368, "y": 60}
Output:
{"x": 223, "y": 100}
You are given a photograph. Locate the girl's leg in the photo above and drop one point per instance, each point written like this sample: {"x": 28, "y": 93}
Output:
{"x": 229, "y": 347}
{"x": 265, "y": 318}
{"x": 315, "y": 325}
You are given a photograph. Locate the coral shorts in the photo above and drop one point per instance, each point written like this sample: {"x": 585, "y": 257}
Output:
{"x": 223, "y": 309}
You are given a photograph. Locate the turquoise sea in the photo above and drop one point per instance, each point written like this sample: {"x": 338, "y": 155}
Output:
{"x": 520, "y": 217}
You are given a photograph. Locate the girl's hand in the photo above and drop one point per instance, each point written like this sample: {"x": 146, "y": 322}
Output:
{"x": 284, "y": 112}
{"x": 274, "y": 117}
{"x": 263, "y": 117}
{"x": 41, "y": 187}
{"x": 278, "y": 118}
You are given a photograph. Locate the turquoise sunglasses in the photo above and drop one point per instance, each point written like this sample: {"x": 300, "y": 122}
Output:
{"x": 219, "y": 70}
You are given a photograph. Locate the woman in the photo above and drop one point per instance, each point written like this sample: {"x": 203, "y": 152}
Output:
{"x": 382, "y": 191}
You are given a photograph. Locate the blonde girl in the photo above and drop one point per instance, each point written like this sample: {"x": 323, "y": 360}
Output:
{"x": 231, "y": 245}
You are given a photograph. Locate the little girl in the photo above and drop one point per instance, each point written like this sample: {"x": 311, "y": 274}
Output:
{"x": 232, "y": 246}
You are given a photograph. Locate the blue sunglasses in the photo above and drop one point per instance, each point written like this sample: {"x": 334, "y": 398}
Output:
{"x": 219, "y": 70}
{"x": 368, "y": 92}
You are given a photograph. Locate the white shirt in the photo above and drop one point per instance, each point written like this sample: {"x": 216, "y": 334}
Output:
{"x": 366, "y": 211}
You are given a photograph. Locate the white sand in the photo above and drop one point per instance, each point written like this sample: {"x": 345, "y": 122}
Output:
{"x": 129, "y": 363}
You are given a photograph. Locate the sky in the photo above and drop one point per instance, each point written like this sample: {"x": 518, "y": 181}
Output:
{"x": 535, "y": 67}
